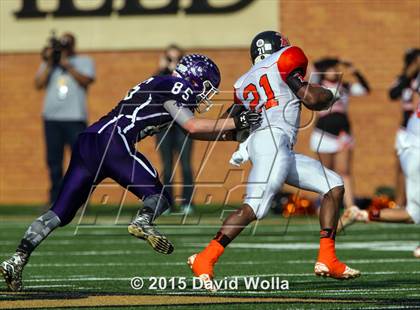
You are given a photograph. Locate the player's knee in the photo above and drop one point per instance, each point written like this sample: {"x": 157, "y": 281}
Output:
{"x": 63, "y": 216}
{"x": 248, "y": 212}
{"x": 259, "y": 210}
{"x": 261, "y": 214}
{"x": 64, "y": 220}
{"x": 333, "y": 180}
{"x": 336, "y": 193}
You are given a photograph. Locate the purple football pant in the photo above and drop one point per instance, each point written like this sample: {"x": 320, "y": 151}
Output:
{"x": 96, "y": 157}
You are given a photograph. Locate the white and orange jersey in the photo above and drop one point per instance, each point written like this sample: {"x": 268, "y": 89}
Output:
{"x": 264, "y": 88}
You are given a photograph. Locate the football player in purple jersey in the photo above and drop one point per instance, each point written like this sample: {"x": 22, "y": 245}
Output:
{"x": 107, "y": 150}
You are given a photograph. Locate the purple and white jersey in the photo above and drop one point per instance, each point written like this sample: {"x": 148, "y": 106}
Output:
{"x": 107, "y": 148}
{"x": 148, "y": 107}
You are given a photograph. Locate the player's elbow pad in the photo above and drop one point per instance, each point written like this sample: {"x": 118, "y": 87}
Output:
{"x": 295, "y": 81}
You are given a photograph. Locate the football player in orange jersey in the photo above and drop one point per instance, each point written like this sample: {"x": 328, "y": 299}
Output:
{"x": 275, "y": 86}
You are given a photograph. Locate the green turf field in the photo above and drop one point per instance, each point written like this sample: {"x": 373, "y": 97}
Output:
{"x": 94, "y": 267}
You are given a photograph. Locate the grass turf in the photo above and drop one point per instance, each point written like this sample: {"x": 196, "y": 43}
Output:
{"x": 101, "y": 259}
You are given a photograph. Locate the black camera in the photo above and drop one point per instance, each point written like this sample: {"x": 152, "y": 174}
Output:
{"x": 57, "y": 46}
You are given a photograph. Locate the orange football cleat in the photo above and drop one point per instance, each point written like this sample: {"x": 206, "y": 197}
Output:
{"x": 336, "y": 270}
{"x": 202, "y": 264}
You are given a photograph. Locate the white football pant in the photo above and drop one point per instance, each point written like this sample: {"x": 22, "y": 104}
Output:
{"x": 274, "y": 163}
{"x": 408, "y": 149}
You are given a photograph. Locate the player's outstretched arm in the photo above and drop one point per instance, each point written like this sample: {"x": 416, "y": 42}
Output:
{"x": 208, "y": 129}
{"x": 226, "y": 135}
{"x": 242, "y": 121}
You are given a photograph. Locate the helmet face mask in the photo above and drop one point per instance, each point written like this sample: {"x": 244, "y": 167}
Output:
{"x": 203, "y": 99}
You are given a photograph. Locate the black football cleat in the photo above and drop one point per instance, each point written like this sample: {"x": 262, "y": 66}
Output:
{"x": 12, "y": 269}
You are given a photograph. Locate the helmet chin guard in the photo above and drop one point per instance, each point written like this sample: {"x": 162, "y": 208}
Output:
{"x": 204, "y": 102}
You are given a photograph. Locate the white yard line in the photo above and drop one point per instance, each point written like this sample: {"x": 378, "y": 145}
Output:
{"x": 84, "y": 278}
{"x": 322, "y": 292}
{"x": 311, "y": 274}
{"x": 372, "y": 246}
{"x": 262, "y": 262}
{"x": 279, "y": 238}
{"x": 387, "y": 307}
{"x": 97, "y": 252}
{"x": 48, "y": 286}
{"x": 244, "y": 246}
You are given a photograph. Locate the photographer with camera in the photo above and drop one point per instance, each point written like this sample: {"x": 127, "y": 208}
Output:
{"x": 65, "y": 76}
{"x": 174, "y": 140}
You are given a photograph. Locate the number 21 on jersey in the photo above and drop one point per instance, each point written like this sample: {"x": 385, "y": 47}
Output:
{"x": 256, "y": 102}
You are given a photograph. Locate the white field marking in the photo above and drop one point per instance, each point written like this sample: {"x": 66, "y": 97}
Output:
{"x": 312, "y": 274}
{"x": 388, "y": 307}
{"x": 373, "y": 246}
{"x": 189, "y": 248}
{"x": 292, "y": 262}
{"x": 278, "y": 238}
{"x": 96, "y": 253}
{"x": 79, "y": 280}
{"x": 312, "y": 226}
{"x": 88, "y": 279}
{"x": 357, "y": 290}
{"x": 315, "y": 236}
{"x": 189, "y": 229}
{"x": 320, "y": 292}
{"x": 49, "y": 285}
{"x": 75, "y": 240}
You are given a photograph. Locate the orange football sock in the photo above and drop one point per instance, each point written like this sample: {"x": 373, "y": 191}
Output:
{"x": 213, "y": 251}
{"x": 327, "y": 255}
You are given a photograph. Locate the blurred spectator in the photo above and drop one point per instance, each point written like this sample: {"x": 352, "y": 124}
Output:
{"x": 405, "y": 89}
{"x": 174, "y": 140}
{"x": 332, "y": 137}
{"x": 65, "y": 75}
